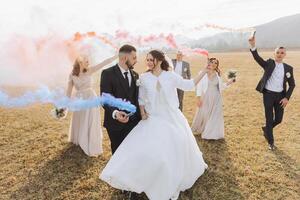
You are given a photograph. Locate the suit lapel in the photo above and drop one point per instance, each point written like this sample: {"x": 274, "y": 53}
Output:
{"x": 285, "y": 71}
{"x": 121, "y": 78}
{"x": 175, "y": 63}
{"x": 270, "y": 71}
{"x": 133, "y": 79}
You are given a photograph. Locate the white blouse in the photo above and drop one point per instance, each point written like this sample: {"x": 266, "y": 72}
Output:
{"x": 169, "y": 81}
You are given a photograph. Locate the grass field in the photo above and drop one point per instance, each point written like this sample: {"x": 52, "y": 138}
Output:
{"x": 37, "y": 162}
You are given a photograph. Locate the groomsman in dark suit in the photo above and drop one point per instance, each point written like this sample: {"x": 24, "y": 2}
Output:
{"x": 182, "y": 68}
{"x": 273, "y": 85}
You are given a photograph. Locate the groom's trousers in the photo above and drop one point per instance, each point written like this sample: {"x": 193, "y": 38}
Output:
{"x": 117, "y": 136}
{"x": 273, "y": 112}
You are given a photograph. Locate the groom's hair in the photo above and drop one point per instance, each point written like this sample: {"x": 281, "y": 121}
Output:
{"x": 127, "y": 49}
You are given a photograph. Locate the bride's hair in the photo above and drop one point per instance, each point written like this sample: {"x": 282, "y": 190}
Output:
{"x": 217, "y": 68}
{"x": 160, "y": 56}
{"x": 76, "y": 68}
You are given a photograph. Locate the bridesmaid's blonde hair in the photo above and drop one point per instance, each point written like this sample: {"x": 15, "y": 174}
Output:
{"x": 217, "y": 68}
{"x": 76, "y": 67}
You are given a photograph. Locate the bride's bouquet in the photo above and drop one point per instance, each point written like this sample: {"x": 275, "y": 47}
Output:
{"x": 232, "y": 74}
{"x": 59, "y": 113}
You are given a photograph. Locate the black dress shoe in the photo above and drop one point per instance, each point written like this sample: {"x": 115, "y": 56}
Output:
{"x": 133, "y": 196}
{"x": 264, "y": 132}
{"x": 272, "y": 147}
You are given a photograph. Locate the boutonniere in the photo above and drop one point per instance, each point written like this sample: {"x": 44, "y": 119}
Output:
{"x": 288, "y": 74}
{"x": 138, "y": 82}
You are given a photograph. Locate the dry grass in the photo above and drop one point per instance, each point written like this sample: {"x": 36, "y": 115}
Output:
{"x": 38, "y": 163}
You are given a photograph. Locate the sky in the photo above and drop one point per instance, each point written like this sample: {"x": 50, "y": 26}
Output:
{"x": 33, "y": 33}
{"x": 37, "y": 17}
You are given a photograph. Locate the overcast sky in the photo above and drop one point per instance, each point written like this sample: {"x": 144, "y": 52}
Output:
{"x": 137, "y": 16}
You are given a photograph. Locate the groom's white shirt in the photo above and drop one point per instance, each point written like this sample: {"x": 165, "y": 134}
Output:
{"x": 129, "y": 75}
{"x": 169, "y": 82}
{"x": 178, "y": 68}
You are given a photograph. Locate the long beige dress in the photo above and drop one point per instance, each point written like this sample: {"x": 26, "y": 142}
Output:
{"x": 85, "y": 128}
{"x": 209, "y": 119}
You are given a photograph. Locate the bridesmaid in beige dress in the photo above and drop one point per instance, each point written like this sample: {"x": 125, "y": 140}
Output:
{"x": 85, "y": 129}
{"x": 209, "y": 119}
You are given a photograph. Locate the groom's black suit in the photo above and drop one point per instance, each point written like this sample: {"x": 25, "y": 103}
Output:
{"x": 272, "y": 99}
{"x": 113, "y": 82}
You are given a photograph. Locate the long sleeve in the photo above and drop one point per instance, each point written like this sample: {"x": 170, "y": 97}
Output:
{"x": 199, "y": 89}
{"x": 259, "y": 59}
{"x": 142, "y": 92}
{"x": 201, "y": 86}
{"x": 97, "y": 67}
{"x": 292, "y": 85}
{"x": 222, "y": 84}
{"x": 106, "y": 87}
{"x": 70, "y": 87}
{"x": 183, "y": 84}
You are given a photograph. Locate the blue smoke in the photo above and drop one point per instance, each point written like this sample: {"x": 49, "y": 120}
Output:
{"x": 60, "y": 100}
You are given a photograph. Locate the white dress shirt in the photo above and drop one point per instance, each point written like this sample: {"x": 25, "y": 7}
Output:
{"x": 129, "y": 75}
{"x": 178, "y": 68}
{"x": 275, "y": 82}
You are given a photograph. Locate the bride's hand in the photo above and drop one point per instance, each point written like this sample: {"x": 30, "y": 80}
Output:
{"x": 144, "y": 115}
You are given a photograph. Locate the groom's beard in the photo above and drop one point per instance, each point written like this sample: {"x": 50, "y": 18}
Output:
{"x": 129, "y": 65}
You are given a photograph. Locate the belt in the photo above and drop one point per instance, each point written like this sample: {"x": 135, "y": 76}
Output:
{"x": 272, "y": 92}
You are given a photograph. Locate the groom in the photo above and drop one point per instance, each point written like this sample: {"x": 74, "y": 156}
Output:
{"x": 273, "y": 85}
{"x": 120, "y": 81}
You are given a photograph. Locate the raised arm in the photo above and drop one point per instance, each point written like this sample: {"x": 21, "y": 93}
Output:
{"x": 188, "y": 85}
{"x": 106, "y": 87}
{"x": 255, "y": 54}
{"x": 97, "y": 67}
{"x": 70, "y": 87}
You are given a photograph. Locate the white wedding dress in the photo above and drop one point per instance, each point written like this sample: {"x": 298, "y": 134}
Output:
{"x": 160, "y": 156}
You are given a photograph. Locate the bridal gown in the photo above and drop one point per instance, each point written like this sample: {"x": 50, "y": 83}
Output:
{"x": 160, "y": 156}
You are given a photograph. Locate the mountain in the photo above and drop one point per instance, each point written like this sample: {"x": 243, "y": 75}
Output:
{"x": 284, "y": 31}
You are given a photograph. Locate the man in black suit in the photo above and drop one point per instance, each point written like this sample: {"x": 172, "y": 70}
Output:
{"x": 120, "y": 81}
{"x": 273, "y": 85}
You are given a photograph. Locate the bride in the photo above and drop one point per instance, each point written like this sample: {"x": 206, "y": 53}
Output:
{"x": 160, "y": 156}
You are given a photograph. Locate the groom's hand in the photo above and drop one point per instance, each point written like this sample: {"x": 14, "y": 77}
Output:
{"x": 122, "y": 117}
{"x": 284, "y": 102}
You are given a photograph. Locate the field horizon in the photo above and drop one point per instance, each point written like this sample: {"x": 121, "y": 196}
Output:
{"x": 37, "y": 162}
